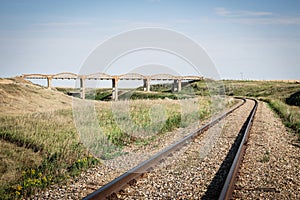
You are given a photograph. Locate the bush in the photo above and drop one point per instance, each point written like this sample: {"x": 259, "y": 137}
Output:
{"x": 294, "y": 99}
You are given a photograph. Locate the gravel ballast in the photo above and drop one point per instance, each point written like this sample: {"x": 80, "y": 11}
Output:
{"x": 197, "y": 172}
{"x": 271, "y": 166}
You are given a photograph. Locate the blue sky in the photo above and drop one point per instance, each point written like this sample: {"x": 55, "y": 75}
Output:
{"x": 257, "y": 39}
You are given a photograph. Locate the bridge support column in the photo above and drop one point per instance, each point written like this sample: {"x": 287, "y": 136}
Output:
{"x": 179, "y": 85}
{"x": 176, "y": 85}
{"x": 82, "y": 88}
{"x": 49, "y": 81}
{"x": 146, "y": 84}
{"x": 115, "y": 89}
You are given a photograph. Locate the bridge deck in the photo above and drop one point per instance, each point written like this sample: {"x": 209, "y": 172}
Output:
{"x": 103, "y": 76}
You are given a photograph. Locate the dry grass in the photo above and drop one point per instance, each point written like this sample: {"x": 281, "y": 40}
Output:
{"x": 18, "y": 98}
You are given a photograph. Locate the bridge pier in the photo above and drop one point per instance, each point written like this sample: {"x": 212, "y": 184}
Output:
{"x": 115, "y": 89}
{"x": 179, "y": 85}
{"x": 176, "y": 85}
{"x": 82, "y": 88}
{"x": 49, "y": 81}
{"x": 146, "y": 84}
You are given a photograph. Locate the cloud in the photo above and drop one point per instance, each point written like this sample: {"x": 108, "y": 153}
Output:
{"x": 270, "y": 21}
{"x": 241, "y": 13}
{"x": 257, "y": 17}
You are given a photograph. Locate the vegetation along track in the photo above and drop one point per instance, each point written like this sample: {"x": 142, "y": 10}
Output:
{"x": 155, "y": 183}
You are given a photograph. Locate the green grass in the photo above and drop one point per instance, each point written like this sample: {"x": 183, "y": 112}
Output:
{"x": 289, "y": 114}
{"x": 127, "y": 121}
{"x": 266, "y": 157}
{"x": 52, "y": 139}
{"x": 269, "y": 89}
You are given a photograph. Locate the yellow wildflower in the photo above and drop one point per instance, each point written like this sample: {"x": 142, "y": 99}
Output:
{"x": 44, "y": 179}
{"x": 19, "y": 187}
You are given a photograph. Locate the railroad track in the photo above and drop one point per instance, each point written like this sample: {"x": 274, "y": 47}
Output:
{"x": 130, "y": 177}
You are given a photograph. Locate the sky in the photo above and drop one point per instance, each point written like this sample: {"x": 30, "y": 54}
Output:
{"x": 257, "y": 39}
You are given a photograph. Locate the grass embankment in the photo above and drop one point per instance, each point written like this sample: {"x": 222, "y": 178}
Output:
{"x": 40, "y": 144}
{"x": 282, "y": 97}
{"x": 289, "y": 114}
{"x": 135, "y": 121}
{"x": 38, "y": 149}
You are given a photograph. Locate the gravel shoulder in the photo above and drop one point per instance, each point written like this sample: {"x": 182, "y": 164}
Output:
{"x": 271, "y": 166}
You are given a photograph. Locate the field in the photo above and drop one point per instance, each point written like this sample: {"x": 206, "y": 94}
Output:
{"x": 47, "y": 136}
{"x": 40, "y": 144}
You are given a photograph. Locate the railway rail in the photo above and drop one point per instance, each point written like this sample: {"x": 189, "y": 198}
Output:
{"x": 109, "y": 190}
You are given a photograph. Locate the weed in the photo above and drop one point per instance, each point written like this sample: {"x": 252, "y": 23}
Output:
{"x": 266, "y": 157}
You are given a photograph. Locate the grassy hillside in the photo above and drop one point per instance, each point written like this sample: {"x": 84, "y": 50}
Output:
{"x": 18, "y": 96}
{"x": 39, "y": 143}
{"x": 271, "y": 89}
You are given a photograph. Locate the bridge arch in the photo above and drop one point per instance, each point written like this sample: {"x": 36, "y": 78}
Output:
{"x": 162, "y": 77}
{"x": 65, "y": 75}
{"x": 132, "y": 76}
{"x": 99, "y": 76}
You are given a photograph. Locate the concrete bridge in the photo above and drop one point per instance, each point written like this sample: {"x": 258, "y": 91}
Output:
{"x": 115, "y": 79}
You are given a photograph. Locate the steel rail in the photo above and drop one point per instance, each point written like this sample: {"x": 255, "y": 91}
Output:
{"x": 228, "y": 186}
{"x": 120, "y": 182}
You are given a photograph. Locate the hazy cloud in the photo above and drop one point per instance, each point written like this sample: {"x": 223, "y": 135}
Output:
{"x": 241, "y": 13}
{"x": 270, "y": 21}
{"x": 257, "y": 17}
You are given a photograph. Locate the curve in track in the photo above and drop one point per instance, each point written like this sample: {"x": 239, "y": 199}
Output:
{"x": 109, "y": 190}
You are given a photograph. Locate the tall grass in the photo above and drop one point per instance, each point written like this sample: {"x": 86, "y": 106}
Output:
{"x": 52, "y": 135}
{"x": 289, "y": 114}
{"x": 63, "y": 152}
{"x": 126, "y": 121}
